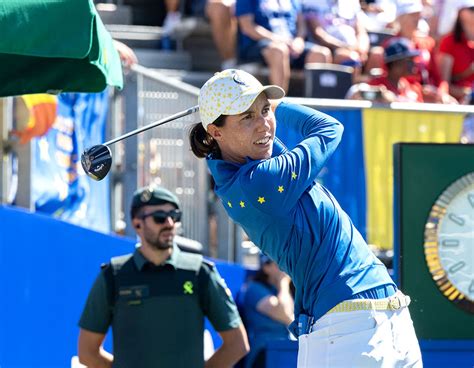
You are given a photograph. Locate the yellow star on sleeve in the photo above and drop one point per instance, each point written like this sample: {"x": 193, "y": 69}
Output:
{"x": 261, "y": 200}
{"x": 280, "y": 188}
{"x": 293, "y": 175}
{"x": 242, "y": 204}
{"x": 229, "y": 204}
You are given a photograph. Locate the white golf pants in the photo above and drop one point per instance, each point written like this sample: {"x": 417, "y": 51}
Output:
{"x": 363, "y": 338}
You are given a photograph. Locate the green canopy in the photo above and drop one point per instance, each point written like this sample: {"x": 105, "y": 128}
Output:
{"x": 55, "y": 46}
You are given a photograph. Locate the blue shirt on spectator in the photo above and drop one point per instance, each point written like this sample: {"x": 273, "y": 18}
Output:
{"x": 260, "y": 328}
{"x": 276, "y": 16}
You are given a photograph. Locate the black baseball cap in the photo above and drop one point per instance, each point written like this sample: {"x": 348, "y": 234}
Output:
{"x": 399, "y": 48}
{"x": 152, "y": 195}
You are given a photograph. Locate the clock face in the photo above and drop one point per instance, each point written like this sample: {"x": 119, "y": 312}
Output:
{"x": 449, "y": 242}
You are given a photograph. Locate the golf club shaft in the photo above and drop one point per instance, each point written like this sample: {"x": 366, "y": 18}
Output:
{"x": 153, "y": 125}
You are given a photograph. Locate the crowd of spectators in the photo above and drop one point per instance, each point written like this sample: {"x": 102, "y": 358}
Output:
{"x": 437, "y": 37}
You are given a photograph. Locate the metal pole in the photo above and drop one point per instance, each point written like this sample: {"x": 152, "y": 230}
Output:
{"x": 9, "y": 177}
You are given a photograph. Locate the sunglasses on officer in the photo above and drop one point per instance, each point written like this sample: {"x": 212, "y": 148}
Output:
{"x": 160, "y": 216}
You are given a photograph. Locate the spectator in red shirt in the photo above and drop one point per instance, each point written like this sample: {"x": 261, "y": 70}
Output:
{"x": 398, "y": 57}
{"x": 456, "y": 54}
{"x": 409, "y": 15}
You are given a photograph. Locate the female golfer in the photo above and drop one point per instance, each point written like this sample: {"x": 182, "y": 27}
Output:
{"x": 348, "y": 311}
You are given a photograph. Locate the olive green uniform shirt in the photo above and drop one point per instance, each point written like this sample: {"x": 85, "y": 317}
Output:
{"x": 157, "y": 312}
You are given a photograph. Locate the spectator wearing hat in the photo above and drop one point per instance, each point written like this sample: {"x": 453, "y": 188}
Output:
{"x": 399, "y": 55}
{"x": 409, "y": 16}
{"x": 156, "y": 299}
{"x": 456, "y": 54}
{"x": 267, "y": 307}
{"x": 409, "y": 19}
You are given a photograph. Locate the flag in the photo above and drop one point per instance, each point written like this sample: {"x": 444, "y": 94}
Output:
{"x": 59, "y": 185}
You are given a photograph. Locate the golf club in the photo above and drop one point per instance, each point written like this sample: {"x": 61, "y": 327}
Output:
{"x": 97, "y": 160}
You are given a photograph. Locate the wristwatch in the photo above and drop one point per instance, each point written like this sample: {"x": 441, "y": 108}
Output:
{"x": 449, "y": 242}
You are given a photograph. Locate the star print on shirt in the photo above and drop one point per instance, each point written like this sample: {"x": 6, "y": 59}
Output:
{"x": 280, "y": 188}
{"x": 229, "y": 204}
{"x": 242, "y": 204}
{"x": 293, "y": 175}
{"x": 261, "y": 200}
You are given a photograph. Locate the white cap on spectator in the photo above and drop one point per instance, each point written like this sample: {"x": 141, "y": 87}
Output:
{"x": 462, "y": 4}
{"x": 408, "y": 7}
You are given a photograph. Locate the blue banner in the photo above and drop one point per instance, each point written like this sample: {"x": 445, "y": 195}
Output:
{"x": 344, "y": 174}
{"x": 59, "y": 185}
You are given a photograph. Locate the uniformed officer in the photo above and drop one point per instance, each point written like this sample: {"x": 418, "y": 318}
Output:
{"x": 156, "y": 299}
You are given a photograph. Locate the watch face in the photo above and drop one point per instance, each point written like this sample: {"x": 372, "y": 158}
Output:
{"x": 449, "y": 242}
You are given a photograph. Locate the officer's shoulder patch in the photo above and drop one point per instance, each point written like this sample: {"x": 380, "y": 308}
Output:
{"x": 119, "y": 261}
{"x": 189, "y": 261}
{"x": 208, "y": 262}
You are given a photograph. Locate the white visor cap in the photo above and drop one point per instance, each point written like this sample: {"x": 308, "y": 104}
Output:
{"x": 231, "y": 92}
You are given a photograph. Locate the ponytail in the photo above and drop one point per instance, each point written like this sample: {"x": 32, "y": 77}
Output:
{"x": 202, "y": 144}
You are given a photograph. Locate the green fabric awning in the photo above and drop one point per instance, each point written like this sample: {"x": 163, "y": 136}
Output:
{"x": 55, "y": 46}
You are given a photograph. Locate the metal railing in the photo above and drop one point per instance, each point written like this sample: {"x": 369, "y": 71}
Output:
{"x": 164, "y": 155}
{"x": 6, "y": 162}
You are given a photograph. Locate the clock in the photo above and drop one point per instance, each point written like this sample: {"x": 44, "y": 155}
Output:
{"x": 449, "y": 242}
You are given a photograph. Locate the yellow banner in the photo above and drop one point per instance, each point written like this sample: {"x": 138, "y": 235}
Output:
{"x": 381, "y": 129}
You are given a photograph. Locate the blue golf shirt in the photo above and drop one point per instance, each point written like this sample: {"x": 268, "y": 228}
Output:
{"x": 295, "y": 220}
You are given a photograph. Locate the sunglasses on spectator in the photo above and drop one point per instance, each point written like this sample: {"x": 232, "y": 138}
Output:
{"x": 160, "y": 216}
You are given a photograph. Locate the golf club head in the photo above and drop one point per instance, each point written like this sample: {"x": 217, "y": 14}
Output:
{"x": 96, "y": 161}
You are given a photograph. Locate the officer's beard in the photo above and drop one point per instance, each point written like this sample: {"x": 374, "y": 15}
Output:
{"x": 156, "y": 243}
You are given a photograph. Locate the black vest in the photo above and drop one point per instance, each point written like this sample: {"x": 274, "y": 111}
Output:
{"x": 158, "y": 312}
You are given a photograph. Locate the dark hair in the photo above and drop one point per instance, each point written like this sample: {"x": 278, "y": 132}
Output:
{"x": 136, "y": 212}
{"x": 458, "y": 31}
{"x": 202, "y": 144}
{"x": 261, "y": 276}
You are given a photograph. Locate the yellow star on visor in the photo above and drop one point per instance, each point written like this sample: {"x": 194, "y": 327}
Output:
{"x": 242, "y": 204}
{"x": 261, "y": 200}
{"x": 280, "y": 188}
